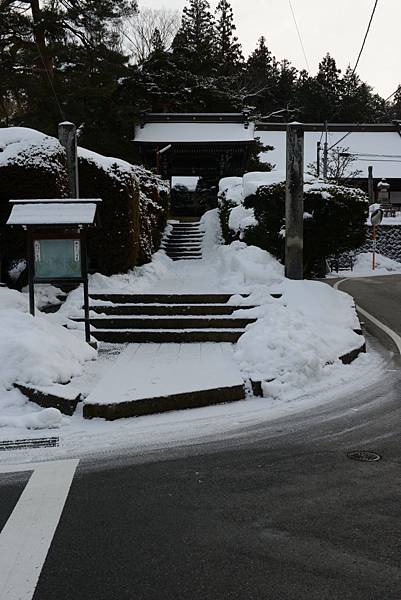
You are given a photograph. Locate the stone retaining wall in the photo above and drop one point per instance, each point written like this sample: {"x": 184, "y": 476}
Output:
{"x": 388, "y": 241}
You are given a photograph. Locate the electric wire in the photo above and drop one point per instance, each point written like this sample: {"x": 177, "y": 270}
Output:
{"x": 366, "y": 37}
{"x": 50, "y": 82}
{"x": 299, "y": 34}
{"x": 393, "y": 94}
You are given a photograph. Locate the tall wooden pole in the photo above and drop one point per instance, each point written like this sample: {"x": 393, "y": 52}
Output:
{"x": 294, "y": 202}
{"x": 370, "y": 186}
{"x": 67, "y": 134}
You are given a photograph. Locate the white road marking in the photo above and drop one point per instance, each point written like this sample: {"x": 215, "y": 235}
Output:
{"x": 26, "y": 537}
{"x": 392, "y": 334}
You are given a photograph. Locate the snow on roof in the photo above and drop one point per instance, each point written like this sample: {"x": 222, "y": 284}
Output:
{"x": 186, "y": 181}
{"x": 173, "y": 133}
{"x": 56, "y": 200}
{"x": 78, "y": 213}
{"x": 368, "y": 145}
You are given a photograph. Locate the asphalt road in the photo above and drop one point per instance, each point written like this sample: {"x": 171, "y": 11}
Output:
{"x": 380, "y": 296}
{"x": 281, "y": 513}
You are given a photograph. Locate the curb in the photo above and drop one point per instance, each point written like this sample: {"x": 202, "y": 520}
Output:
{"x": 149, "y": 406}
{"x": 66, "y": 406}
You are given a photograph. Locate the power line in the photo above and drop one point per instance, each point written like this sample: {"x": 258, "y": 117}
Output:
{"x": 366, "y": 36}
{"x": 340, "y": 140}
{"x": 299, "y": 34}
{"x": 393, "y": 94}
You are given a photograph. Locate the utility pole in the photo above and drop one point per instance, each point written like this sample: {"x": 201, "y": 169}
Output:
{"x": 370, "y": 186}
{"x": 325, "y": 153}
{"x": 67, "y": 135}
{"x": 294, "y": 202}
{"x": 319, "y": 151}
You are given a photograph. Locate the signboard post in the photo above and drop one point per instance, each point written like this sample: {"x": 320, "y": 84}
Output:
{"x": 56, "y": 243}
{"x": 375, "y": 218}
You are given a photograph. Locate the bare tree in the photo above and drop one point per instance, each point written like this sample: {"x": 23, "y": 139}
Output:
{"x": 339, "y": 167}
{"x": 142, "y": 27}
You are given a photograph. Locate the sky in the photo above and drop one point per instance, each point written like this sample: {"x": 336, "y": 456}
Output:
{"x": 335, "y": 26}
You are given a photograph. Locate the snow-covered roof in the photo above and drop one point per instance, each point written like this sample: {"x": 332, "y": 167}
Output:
{"x": 47, "y": 213}
{"x": 197, "y": 132}
{"x": 189, "y": 182}
{"x": 367, "y": 145}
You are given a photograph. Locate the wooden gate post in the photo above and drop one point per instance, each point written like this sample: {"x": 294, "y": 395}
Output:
{"x": 294, "y": 202}
{"x": 67, "y": 134}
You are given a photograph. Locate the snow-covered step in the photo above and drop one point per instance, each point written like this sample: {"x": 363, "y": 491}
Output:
{"x": 166, "y": 336}
{"x": 173, "y": 322}
{"x": 168, "y": 309}
{"x": 153, "y": 378}
{"x": 166, "y": 298}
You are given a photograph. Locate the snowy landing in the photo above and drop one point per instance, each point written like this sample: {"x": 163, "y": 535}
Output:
{"x": 162, "y": 371}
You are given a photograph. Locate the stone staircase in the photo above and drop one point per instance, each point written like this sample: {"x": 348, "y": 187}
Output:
{"x": 184, "y": 242}
{"x": 166, "y": 318}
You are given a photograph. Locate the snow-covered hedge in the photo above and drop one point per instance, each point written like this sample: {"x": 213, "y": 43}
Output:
{"x": 254, "y": 211}
{"x": 133, "y": 212}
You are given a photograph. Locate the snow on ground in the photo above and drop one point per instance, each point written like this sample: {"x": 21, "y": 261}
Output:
{"x": 34, "y": 351}
{"x": 364, "y": 263}
{"x": 296, "y": 341}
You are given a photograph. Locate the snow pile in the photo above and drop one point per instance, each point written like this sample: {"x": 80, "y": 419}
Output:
{"x": 297, "y": 337}
{"x": 363, "y": 266}
{"x": 21, "y": 144}
{"x": 34, "y": 351}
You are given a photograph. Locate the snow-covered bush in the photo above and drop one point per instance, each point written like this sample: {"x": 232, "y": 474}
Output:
{"x": 133, "y": 212}
{"x": 32, "y": 165}
{"x": 334, "y": 220}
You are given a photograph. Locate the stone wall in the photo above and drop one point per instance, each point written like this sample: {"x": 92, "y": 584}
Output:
{"x": 388, "y": 241}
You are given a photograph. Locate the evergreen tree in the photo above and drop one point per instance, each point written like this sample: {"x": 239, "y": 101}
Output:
{"x": 262, "y": 75}
{"x": 194, "y": 44}
{"x": 228, "y": 49}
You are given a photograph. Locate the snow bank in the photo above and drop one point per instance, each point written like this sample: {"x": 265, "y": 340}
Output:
{"x": 34, "y": 351}
{"x": 296, "y": 337}
{"x": 363, "y": 266}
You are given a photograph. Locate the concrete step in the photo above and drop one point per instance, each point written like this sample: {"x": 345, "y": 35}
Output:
{"x": 178, "y": 254}
{"x": 175, "y": 258}
{"x": 181, "y": 244}
{"x": 150, "y": 406}
{"x": 174, "y": 322}
{"x": 164, "y": 298}
{"x": 188, "y": 376}
{"x": 161, "y": 310}
{"x": 124, "y": 336}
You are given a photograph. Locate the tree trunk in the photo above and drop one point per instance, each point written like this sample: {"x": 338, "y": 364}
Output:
{"x": 45, "y": 61}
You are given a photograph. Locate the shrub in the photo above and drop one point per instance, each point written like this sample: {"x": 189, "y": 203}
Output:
{"x": 32, "y": 165}
{"x": 335, "y": 218}
{"x": 133, "y": 213}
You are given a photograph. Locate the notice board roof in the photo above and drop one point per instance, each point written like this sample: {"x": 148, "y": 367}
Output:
{"x": 53, "y": 212}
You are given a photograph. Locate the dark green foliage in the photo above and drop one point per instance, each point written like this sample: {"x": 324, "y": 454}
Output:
{"x": 113, "y": 248}
{"x": 68, "y": 62}
{"x": 336, "y": 223}
{"x": 34, "y": 174}
{"x": 133, "y": 212}
{"x": 225, "y": 207}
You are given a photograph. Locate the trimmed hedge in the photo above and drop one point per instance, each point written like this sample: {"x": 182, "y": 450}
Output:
{"x": 335, "y": 218}
{"x": 133, "y": 212}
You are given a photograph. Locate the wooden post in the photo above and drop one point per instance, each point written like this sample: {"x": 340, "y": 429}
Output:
{"x": 370, "y": 186}
{"x": 326, "y": 153}
{"x": 67, "y": 134}
{"x": 319, "y": 151}
{"x": 374, "y": 237}
{"x": 31, "y": 273}
{"x": 84, "y": 267}
{"x": 294, "y": 202}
